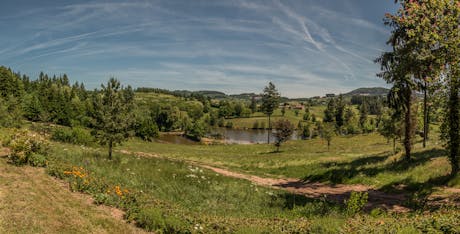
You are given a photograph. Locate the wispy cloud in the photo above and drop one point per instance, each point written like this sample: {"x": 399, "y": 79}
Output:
{"x": 305, "y": 48}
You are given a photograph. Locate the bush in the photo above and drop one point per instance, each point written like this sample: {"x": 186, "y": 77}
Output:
{"x": 147, "y": 129}
{"x": 356, "y": 202}
{"x": 221, "y": 122}
{"x": 76, "y": 135}
{"x": 197, "y": 130}
{"x": 255, "y": 125}
{"x": 28, "y": 148}
{"x": 229, "y": 124}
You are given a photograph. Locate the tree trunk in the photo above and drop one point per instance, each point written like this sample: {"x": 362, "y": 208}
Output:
{"x": 269, "y": 130}
{"x": 425, "y": 115}
{"x": 328, "y": 145}
{"x": 110, "y": 149}
{"x": 408, "y": 127}
{"x": 394, "y": 145}
{"x": 454, "y": 126}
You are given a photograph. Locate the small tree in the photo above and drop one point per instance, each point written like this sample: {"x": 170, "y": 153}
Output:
{"x": 253, "y": 105}
{"x": 327, "y": 132}
{"x": 113, "y": 114}
{"x": 283, "y": 110}
{"x": 389, "y": 126}
{"x": 330, "y": 111}
{"x": 283, "y": 131}
{"x": 307, "y": 115}
{"x": 270, "y": 101}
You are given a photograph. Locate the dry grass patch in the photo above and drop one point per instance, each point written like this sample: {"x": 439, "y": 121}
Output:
{"x": 33, "y": 202}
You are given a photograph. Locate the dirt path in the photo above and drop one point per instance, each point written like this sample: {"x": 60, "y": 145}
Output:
{"x": 337, "y": 192}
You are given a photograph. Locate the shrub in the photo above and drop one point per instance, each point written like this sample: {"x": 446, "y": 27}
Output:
{"x": 221, "y": 122}
{"x": 197, "y": 130}
{"x": 229, "y": 124}
{"x": 76, "y": 135}
{"x": 147, "y": 129}
{"x": 283, "y": 131}
{"x": 356, "y": 202}
{"x": 28, "y": 148}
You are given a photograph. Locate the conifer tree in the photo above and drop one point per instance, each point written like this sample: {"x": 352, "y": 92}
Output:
{"x": 270, "y": 101}
{"x": 113, "y": 114}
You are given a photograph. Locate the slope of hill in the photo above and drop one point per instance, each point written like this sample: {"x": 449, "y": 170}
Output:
{"x": 374, "y": 91}
{"x": 33, "y": 202}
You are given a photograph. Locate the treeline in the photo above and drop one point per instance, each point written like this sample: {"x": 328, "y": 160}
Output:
{"x": 53, "y": 99}
{"x": 46, "y": 99}
{"x": 343, "y": 116}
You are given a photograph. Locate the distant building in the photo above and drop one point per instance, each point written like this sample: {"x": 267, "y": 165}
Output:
{"x": 330, "y": 95}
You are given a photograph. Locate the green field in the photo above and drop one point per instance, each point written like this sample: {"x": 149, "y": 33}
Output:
{"x": 361, "y": 159}
{"x": 261, "y": 118}
{"x": 173, "y": 195}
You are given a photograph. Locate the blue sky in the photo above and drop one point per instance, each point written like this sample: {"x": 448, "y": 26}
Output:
{"x": 306, "y": 48}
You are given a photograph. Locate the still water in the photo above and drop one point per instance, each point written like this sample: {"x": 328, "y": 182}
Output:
{"x": 245, "y": 136}
{"x": 228, "y": 135}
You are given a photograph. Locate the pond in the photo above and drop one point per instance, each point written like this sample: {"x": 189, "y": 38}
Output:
{"x": 228, "y": 135}
{"x": 245, "y": 136}
{"x": 175, "y": 138}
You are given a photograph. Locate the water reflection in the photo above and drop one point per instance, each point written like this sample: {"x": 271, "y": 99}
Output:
{"x": 244, "y": 136}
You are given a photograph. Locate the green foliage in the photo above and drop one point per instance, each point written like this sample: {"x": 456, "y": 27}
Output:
{"x": 10, "y": 112}
{"x": 356, "y": 202}
{"x": 390, "y": 126}
{"x": 167, "y": 117}
{"x": 33, "y": 109}
{"x": 270, "y": 99}
{"x": 113, "y": 114}
{"x": 74, "y": 135}
{"x": 229, "y": 124}
{"x": 283, "y": 131}
{"x": 197, "y": 130}
{"x": 10, "y": 84}
{"x": 327, "y": 132}
{"x": 340, "y": 112}
{"x": 305, "y": 130}
{"x": 307, "y": 115}
{"x": 330, "y": 111}
{"x": 146, "y": 129}
{"x": 28, "y": 148}
{"x": 351, "y": 121}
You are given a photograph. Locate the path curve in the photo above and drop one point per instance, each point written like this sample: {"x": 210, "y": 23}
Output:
{"x": 337, "y": 192}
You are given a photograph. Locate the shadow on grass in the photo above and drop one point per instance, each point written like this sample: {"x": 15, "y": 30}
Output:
{"x": 370, "y": 166}
{"x": 309, "y": 206}
{"x": 416, "y": 193}
{"x": 419, "y": 193}
{"x": 272, "y": 152}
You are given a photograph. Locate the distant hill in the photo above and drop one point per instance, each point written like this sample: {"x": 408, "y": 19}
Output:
{"x": 212, "y": 94}
{"x": 375, "y": 91}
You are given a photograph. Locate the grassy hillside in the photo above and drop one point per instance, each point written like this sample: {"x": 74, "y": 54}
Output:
{"x": 261, "y": 118}
{"x": 33, "y": 202}
{"x": 363, "y": 159}
{"x": 176, "y": 196}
